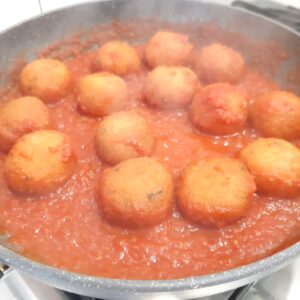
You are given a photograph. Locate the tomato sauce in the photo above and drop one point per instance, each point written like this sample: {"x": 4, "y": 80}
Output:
{"x": 66, "y": 229}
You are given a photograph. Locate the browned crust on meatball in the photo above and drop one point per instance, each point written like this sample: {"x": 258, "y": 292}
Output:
{"x": 123, "y": 135}
{"x": 276, "y": 114}
{"x": 117, "y": 57}
{"x": 219, "y": 109}
{"x": 47, "y": 79}
{"x": 168, "y": 49}
{"x": 135, "y": 193}
{"x": 39, "y": 162}
{"x": 170, "y": 87}
{"x": 101, "y": 94}
{"x": 218, "y": 63}
{"x": 275, "y": 164}
{"x": 21, "y": 116}
{"x": 215, "y": 191}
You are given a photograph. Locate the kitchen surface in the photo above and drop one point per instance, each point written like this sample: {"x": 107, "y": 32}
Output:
{"x": 282, "y": 285}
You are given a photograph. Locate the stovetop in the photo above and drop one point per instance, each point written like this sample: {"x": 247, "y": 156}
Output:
{"x": 281, "y": 285}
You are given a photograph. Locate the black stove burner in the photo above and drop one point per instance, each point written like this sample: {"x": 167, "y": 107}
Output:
{"x": 71, "y": 296}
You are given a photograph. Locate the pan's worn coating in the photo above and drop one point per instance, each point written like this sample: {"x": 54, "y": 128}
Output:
{"x": 32, "y": 36}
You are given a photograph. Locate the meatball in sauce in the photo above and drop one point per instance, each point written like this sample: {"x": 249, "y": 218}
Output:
{"x": 276, "y": 114}
{"x": 123, "y": 135}
{"x": 275, "y": 164}
{"x": 218, "y": 63}
{"x": 170, "y": 87}
{"x": 219, "y": 109}
{"x": 215, "y": 191}
{"x": 117, "y": 57}
{"x": 47, "y": 79}
{"x": 101, "y": 94}
{"x": 137, "y": 192}
{"x": 21, "y": 116}
{"x": 40, "y": 162}
{"x": 167, "y": 48}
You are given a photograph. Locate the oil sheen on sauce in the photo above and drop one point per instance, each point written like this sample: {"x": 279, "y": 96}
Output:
{"x": 65, "y": 229}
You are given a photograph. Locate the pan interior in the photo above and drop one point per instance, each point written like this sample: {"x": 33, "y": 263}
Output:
{"x": 270, "y": 49}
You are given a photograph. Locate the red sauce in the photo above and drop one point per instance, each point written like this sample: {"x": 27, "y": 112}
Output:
{"x": 65, "y": 229}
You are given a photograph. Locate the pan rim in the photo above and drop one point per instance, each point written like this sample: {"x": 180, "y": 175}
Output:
{"x": 261, "y": 267}
{"x": 60, "y": 277}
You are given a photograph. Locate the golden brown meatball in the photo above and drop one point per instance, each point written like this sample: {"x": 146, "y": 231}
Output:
{"x": 276, "y": 114}
{"x": 275, "y": 164}
{"x": 170, "y": 87}
{"x": 218, "y": 63}
{"x": 219, "y": 109}
{"x": 168, "y": 49}
{"x": 118, "y": 57}
{"x": 101, "y": 94}
{"x": 123, "y": 135}
{"x": 19, "y": 117}
{"x": 215, "y": 191}
{"x": 47, "y": 79}
{"x": 39, "y": 162}
{"x": 137, "y": 192}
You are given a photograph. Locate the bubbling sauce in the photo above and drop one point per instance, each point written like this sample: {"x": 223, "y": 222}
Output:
{"x": 65, "y": 229}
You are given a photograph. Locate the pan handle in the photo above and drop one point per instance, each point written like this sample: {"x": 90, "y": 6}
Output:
{"x": 287, "y": 15}
{"x": 239, "y": 293}
{"x": 40, "y": 7}
{"x": 3, "y": 268}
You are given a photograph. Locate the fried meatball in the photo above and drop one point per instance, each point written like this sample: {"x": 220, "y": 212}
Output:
{"x": 276, "y": 114}
{"x": 170, "y": 87}
{"x": 39, "y": 162}
{"x": 218, "y": 63}
{"x": 219, "y": 109}
{"x": 118, "y": 57}
{"x": 168, "y": 49}
{"x": 101, "y": 94}
{"x": 47, "y": 79}
{"x": 135, "y": 193}
{"x": 19, "y": 117}
{"x": 123, "y": 135}
{"x": 215, "y": 191}
{"x": 275, "y": 164}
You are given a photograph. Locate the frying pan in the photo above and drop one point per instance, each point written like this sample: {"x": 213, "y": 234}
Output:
{"x": 36, "y": 34}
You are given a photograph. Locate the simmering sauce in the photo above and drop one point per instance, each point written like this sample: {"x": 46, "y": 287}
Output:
{"x": 65, "y": 228}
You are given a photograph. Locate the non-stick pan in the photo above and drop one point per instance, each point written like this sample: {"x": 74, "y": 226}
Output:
{"x": 30, "y": 37}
